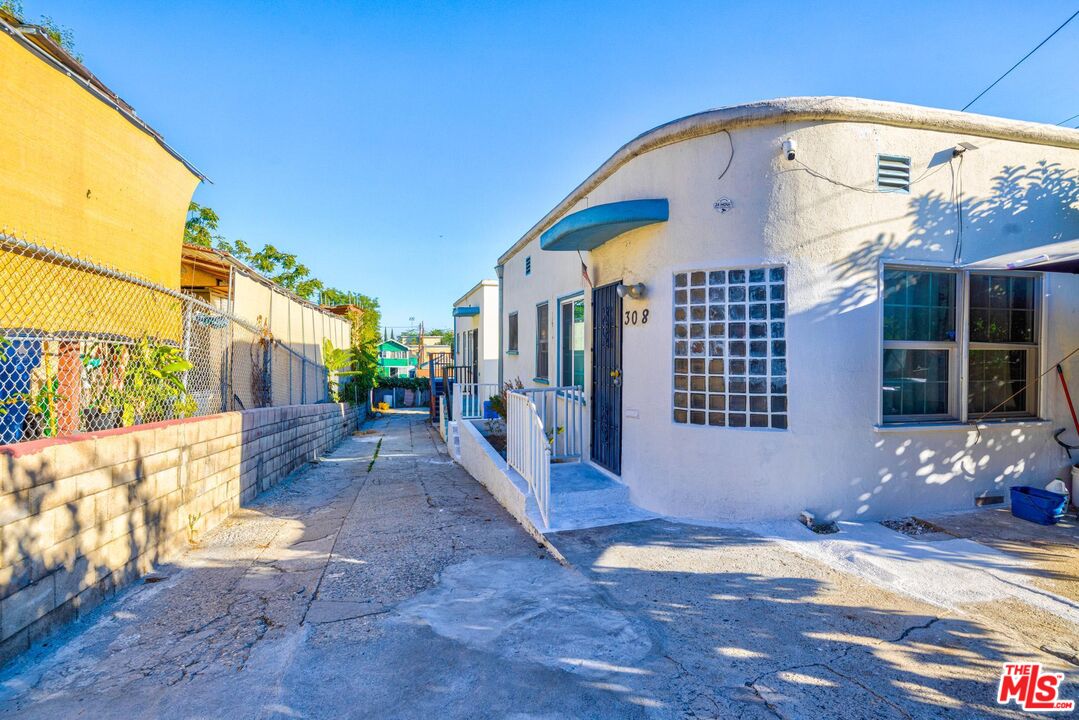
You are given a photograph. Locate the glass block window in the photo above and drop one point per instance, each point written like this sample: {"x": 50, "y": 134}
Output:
{"x": 730, "y": 348}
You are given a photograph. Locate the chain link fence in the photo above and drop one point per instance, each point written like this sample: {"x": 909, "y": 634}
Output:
{"x": 84, "y": 348}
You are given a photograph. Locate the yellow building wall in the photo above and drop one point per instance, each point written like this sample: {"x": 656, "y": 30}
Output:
{"x": 79, "y": 177}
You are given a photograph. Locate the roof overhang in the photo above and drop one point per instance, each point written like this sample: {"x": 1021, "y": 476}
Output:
{"x": 1060, "y": 257}
{"x": 591, "y": 227}
{"x": 466, "y": 311}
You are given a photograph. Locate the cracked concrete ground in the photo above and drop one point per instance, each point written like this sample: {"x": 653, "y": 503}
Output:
{"x": 401, "y": 589}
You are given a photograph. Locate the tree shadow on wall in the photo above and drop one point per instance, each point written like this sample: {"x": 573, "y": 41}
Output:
{"x": 1028, "y": 207}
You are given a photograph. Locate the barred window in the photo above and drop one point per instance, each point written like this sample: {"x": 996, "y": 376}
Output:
{"x": 730, "y": 348}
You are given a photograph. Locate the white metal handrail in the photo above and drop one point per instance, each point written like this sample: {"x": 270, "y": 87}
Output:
{"x": 527, "y": 449}
{"x": 561, "y": 410}
{"x": 469, "y": 398}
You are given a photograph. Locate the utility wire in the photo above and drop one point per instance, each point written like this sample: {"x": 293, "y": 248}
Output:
{"x": 1021, "y": 61}
{"x": 731, "y": 158}
{"x": 1052, "y": 367}
{"x": 871, "y": 191}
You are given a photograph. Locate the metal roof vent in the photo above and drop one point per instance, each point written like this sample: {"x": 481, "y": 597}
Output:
{"x": 528, "y": 265}
{"x": 893, "y": 173}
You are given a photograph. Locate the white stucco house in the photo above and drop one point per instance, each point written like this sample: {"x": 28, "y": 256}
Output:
{"x": 793, "y": 304}
{"x": 476, "y": 331}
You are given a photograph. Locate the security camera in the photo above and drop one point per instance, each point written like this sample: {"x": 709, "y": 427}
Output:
{"x": 789, "y": 146}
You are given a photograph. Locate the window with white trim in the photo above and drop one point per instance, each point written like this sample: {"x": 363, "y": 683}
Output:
{"x": 937, "y": 322}
{"x": 730, "y": 348}
{"x": 1003, "y": 344}
{"x": 920, "y": 344}
{"x": 571, "y": 342}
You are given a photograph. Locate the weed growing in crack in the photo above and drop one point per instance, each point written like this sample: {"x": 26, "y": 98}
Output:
{"x": 192, "y": 530}
{"x": 374, "y": 457}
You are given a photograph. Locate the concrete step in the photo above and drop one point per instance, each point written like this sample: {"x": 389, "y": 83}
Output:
{"x": 583, "y": 497}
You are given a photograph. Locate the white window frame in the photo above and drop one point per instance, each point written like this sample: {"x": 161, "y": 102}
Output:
{"x": 953, "y": 347}
{"x": 959, "y": 350}
{"x": 571, "y": 300}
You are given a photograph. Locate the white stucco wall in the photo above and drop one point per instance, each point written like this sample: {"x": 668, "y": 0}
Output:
{"x": 484, "y": 296}
{"x": 832, "y": 239}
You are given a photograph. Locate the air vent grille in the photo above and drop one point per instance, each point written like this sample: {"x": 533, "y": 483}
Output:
{"x": 528, "y": 265}
{"x": 893, "y": 173}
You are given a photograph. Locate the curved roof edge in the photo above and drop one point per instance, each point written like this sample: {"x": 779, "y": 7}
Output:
{"x": 805, "y": 109}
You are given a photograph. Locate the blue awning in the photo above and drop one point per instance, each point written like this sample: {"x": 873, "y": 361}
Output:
{"x": 590, "y": 228}
{"x": 466, "y": 311}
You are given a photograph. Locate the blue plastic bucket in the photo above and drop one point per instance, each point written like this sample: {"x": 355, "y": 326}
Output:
{"x": 1037, "y": 505}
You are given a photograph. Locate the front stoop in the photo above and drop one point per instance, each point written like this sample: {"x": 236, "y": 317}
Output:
{"x": 585, "y": 497}
{"x": 581, "y": 496}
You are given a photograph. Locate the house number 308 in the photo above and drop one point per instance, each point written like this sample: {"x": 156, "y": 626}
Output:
{"x": 633, "y": 317}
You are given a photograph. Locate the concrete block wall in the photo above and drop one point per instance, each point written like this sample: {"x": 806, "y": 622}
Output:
{"x": 82, "y": 516}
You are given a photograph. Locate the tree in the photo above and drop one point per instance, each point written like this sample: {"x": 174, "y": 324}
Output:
{"x": 333, "y": 296}
{"x": 59, "y": 34}
{"x": 201, "y": 226}
{"x": 445, "y": 336}
{"x": 364, "y": 320}
{"x": 12, "y": 7}
{"x": 283, "y": 268}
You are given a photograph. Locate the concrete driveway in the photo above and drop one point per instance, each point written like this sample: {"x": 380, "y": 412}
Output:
{"x": 394, "y": 586}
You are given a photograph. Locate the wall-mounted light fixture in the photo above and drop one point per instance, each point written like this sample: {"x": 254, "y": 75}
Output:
{"x": 635, "y": 291}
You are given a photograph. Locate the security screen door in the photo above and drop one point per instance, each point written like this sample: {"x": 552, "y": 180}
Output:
{"x": 607, "y": 378}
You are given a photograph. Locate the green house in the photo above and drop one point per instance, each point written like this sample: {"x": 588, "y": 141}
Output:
{"x": 395, "y": 360}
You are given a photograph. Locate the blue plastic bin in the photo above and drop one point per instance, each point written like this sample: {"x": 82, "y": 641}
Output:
{"x": 18, "y": 358}
{"x": 488, "y": 411}
{"x": 1037, "y": 505}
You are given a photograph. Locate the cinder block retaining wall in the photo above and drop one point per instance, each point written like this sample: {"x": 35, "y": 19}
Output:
{"x": 84, "y": 515}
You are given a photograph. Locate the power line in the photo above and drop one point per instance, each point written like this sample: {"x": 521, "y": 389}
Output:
{"x": 1013, "y": 67}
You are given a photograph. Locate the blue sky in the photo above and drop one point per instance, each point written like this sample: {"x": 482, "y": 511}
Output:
{"x": 399, "y": 148}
